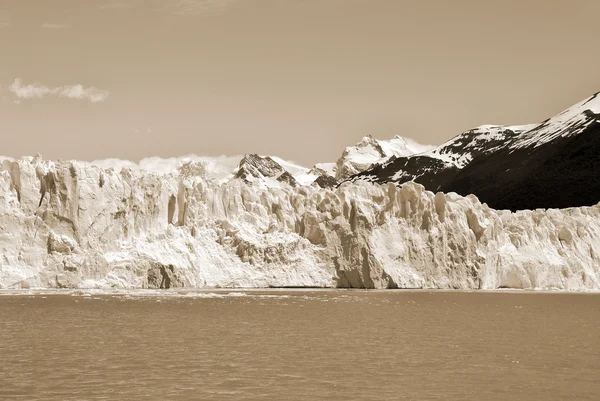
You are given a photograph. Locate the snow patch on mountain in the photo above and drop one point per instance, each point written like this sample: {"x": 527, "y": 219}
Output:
{"x": 326, "y": 168}
{"x": 369, "y": 151}
{"x": 570, "y": 122}
{"x": 303, "y": 175}
{"x": 460, "y": 150}
{"x": 399, "y": 145}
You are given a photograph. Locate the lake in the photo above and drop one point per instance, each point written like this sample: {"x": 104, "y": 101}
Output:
{"x": 299, "y": 345}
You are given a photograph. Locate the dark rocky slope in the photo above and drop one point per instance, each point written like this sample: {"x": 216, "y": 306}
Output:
{"x": 555, "y": 164}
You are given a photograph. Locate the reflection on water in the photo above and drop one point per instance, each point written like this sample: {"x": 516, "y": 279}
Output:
{"x": 299, "y": 345}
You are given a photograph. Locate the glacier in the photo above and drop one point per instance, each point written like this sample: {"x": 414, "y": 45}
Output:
{"x": 69, "y": 224}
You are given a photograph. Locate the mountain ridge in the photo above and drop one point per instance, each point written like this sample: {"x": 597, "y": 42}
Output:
{"x": 504, "y": 166}
{"x": 478, "y": 161}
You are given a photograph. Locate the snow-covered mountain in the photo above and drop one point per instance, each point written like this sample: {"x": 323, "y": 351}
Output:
{"x": 271, "y": 170}
{"x": 551, "y": 164}
{"x": 434, "y": 167}
{"x": 369, "y": 151}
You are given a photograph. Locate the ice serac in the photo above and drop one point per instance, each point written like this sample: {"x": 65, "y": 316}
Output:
{"x": 71, "y": 224}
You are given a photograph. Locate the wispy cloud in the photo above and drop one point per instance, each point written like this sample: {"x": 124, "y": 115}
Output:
{"x": 175, "y": 7}
{"x": 195, "y": 7}
{"x": 54, "y": 26}
{"x": 79, "y": 92}
{"x": 38, "y": 91}
{"x": 119, "y": 4}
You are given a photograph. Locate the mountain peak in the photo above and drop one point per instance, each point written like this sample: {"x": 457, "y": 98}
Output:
{"x": 369, "y": 151}
{"x": 257, "y": 169}
{"x": 593, "y": 103}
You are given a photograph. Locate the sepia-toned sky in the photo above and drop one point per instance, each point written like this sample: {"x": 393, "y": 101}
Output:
{"x": 300, "y": 79}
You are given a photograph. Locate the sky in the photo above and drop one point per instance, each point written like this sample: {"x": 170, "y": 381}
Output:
{"x": 300, "y": 79}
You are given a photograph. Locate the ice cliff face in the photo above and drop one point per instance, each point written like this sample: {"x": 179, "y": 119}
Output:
{"x": 70, "y": 224}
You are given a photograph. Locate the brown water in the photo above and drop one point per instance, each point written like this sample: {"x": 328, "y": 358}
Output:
{"x": 301, "y": 345}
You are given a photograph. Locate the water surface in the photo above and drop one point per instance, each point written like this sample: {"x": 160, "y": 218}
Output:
{"x": 300, "y": 345}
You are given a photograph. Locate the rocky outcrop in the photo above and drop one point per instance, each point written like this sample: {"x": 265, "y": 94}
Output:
{"x": 163, "y": 276}
{"x": 326, "y": 181}
{"x": 70, "y": 224}
{"x": 254, "y": 168}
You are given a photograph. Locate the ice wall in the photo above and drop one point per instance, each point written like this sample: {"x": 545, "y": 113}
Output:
{"x": 71, "y": 224}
